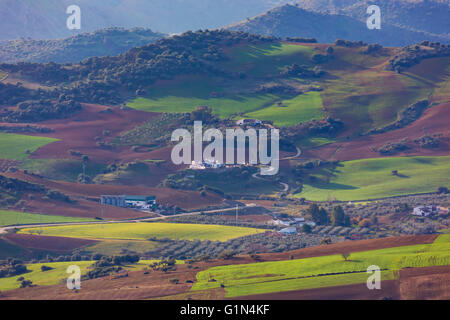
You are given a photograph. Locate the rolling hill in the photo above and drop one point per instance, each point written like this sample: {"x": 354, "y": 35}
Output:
{"x": 107, "y": 42}
{"x": 424, "y": 15}
{"x": 292, "y": 21}
{"x": 46, "y": 19}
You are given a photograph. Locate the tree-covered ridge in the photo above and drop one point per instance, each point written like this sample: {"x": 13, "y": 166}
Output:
{"x": 293, "y": 21}
{"x": 106, "y": 42}
{"x": 97, "y": 79}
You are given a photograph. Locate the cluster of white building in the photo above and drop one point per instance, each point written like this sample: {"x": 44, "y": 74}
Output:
{"x": 291, "y": 225}
{"x": 425, "y": 211}
{"x": 206, "y": 164}
{"x": 124, "y": 201}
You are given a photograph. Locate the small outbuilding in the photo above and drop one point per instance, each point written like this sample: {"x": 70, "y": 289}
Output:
{"x": 288, "y": 231}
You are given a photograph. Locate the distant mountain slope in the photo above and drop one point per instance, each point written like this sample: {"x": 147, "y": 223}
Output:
{"x": 107, "y": 42}
{"x": 424, "y": 15}
{"x": 46, "y": 19}
{"x": 292, "y": 21}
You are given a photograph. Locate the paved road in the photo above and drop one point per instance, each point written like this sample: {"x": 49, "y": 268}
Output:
{"x": 5, "y": 77}
{"x": 285, "y": 185}
{"x": 5, "y": 229}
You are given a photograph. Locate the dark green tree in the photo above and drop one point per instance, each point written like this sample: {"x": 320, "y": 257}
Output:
{"x": 313, "y": 210}
{"x": 338, "y": 217}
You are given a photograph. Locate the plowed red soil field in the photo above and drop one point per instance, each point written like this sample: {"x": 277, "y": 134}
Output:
{"x": 57, "y": 244}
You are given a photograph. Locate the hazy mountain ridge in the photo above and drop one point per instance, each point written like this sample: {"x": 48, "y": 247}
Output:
{"x": 293, "y": 21}
{"x": 420, "y": 15}
{"x": 46, "y": 19}
{"x": 112, "y": 41}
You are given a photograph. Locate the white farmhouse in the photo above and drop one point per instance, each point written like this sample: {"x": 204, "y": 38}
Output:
{"x": 425, "y": 211}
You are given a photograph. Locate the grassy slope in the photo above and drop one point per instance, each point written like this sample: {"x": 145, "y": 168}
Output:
{"x": 14, "y": 146}
{"x": 61, "y": 169}
{"x": 434, "y": 71}
{"x": 41, "y": 278}
{"x": 187, "y": 94}
{"x": 143, "y": 231}
{"x": 366, "y": 96}
{"x": 117, "y": 247}
{"x": 372, "y": 178}
{"x": 358, "y": 89}
{"x": 264, "y": 61}
{"x": 58, "y": 274}
{"x": 8, "y": 218}
{"x": 301, "y": 108}
{"x": 266, "y": 277}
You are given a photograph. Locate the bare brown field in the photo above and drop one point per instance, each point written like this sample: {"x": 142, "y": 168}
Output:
{"x": 57, "y": 244}
{"x": 79, "y": 132}
{"x": 434, "y": 120}
{"x": 425, "y": 283}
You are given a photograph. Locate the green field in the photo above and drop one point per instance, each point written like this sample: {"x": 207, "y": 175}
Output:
{"x": 372, "y": 178}
{"x": 302, "y": 108}
{"x": 15, "y": 146}
{"x": 9, "y": 218}
{"x": 187, "y": 94}
{"x": 227, "y": 97}
{"x": 143, "y": 231}
{"x": 261, "y": 61}
{"x": 117, "y": 247}
{"x": 58, "y": 273}
{"x": 40, "y": 278}
{"x": 267, "y": 277}
{"x": 365, "y": 96}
